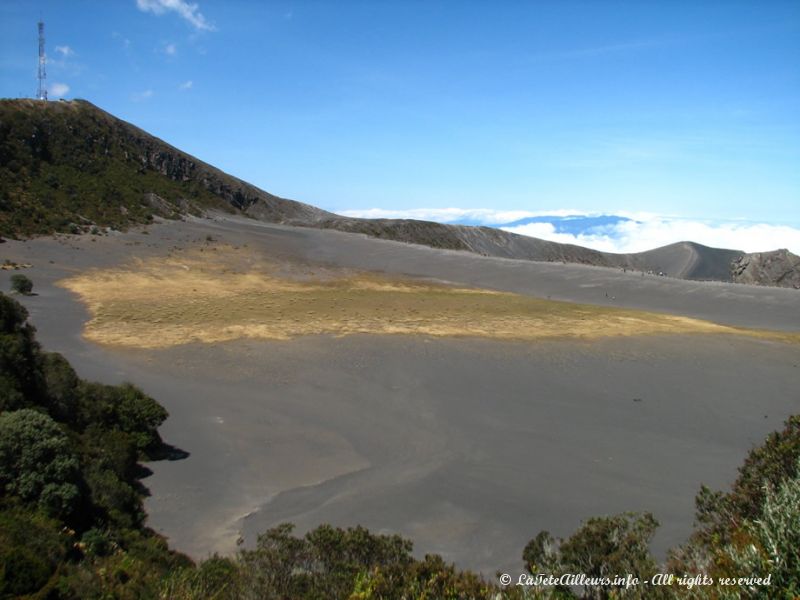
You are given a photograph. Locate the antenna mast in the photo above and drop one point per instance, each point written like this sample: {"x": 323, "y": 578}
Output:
{"x": 41, "y": 93}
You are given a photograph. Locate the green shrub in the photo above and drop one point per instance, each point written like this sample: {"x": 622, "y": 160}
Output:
{"x": 214, "y": 579}
{"x": 21, "y": 284}
{"x": 20, "y": 377}
{"x": 22, "y": 572}
{"x": 601, "y": 547}
{"x": 116, "y": 500}
{"x": 768, "y": 466}
{"x": 69, "y": 449}
{"x": 123, "y": 408}
{"x": 37, "y": 462}
{"x": 348, "y": 564}
{"x": 61, "y": 384}
{"x": 770, "y": 543}
{"x": 31, "y": 547}
{"x": 96, "y": 542}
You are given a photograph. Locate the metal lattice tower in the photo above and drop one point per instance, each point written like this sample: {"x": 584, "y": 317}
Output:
{"x": 41, "y": 93}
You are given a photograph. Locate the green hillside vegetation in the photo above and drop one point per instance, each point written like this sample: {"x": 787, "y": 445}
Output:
{"x": 71, "y": 516}
{"x": 67, "y": 167}
{"x": 71, "y": 167}
{"x": 72, "y": 525}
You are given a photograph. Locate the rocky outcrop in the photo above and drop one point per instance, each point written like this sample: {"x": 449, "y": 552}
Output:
{"x": 777, "y": 268}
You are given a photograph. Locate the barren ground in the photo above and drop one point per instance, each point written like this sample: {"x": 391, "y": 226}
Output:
{"x": 220, "y": 293}
{"x": 498, "y": 413}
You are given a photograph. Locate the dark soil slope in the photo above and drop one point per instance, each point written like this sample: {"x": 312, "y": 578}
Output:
{"x": 689, "y": 260}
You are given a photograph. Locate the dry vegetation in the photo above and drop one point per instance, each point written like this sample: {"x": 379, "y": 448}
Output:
{"x": 217, "y": 294}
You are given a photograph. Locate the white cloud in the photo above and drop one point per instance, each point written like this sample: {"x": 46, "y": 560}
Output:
{"x": 58, "y": 90}
{"x": 640, "y": 235}
{"x": 170, "y": 49}
{"x": 644, "y": 231}
{"x": 189, "y": 12}
{"x": 485, "y": 216}
{"x": 141, "y": 96}
{"x": 65, "y": 51}
{"x": 186, "y": 85}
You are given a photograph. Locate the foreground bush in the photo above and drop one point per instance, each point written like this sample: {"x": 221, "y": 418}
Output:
{"x": 603, "y": 547}
{"x": 770, "y": 543}
{"x": 754, "y": 529}
{"x": 37, "y": 462}
{"x": 70, "y": 501}
{"x": 328, "y": 562}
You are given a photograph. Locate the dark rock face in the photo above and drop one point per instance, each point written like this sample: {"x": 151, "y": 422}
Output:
{"x": 777, "y": 268}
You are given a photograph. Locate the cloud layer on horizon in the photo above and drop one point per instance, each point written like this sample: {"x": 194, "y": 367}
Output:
{"x": 638, "y": 236}
{"x": 642, "y": 232}
{"x": 483, "y": 216}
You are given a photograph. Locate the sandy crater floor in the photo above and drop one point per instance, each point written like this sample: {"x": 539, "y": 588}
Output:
{"x": 496, "y": 414}
{"x": 221, "y": 293}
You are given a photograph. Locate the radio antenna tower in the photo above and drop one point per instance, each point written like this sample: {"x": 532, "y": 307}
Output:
{"x": 41, "y": 93}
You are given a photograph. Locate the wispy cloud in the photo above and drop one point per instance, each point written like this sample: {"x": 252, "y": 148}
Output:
{"x": 58, "y": 90}
{"x": 63, "y": 60}
{"x": 631, "y": 46}
{"x": 600, "y": 51}
{"x": 613, "y": 48}
{"x": 188, "y": 12}
{"x": 170, "y": 49}
{"x": 186, "y": 85}
{"x": 126, "y": 43}
{"x": 142, "y": 96}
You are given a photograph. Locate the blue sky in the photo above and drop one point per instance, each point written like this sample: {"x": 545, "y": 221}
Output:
{"x": 679, "y": 108}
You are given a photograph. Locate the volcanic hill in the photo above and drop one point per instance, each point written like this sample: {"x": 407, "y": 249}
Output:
{"x": 70, "y": 167}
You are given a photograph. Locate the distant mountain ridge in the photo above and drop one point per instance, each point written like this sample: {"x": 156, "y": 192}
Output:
{"x": 72, "y": 167}
{"x": 685, "y": 260}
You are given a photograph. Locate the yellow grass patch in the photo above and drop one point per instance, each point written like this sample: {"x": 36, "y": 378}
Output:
{"x": 224, "y": 294}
